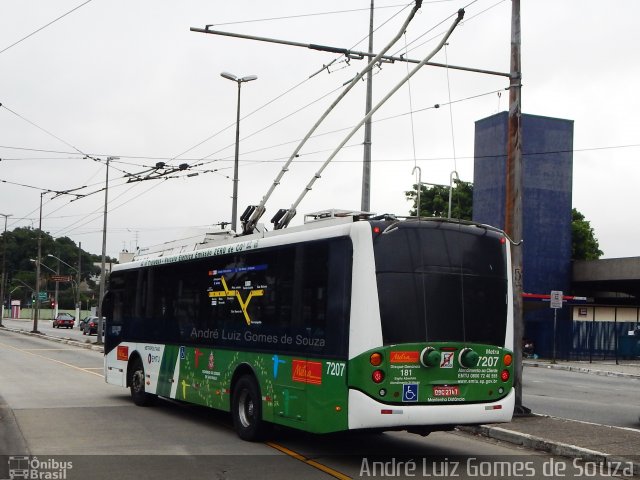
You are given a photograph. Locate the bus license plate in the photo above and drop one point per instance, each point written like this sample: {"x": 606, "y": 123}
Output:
{"x": 446, "y": 391}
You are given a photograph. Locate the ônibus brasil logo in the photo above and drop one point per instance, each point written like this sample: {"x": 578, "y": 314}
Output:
{"x": 23, "y": 466}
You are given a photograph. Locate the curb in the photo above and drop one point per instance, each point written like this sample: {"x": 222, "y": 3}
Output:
{"x": 573, "y": 368}
{"x": 67, "y": 341}
{"x": 556, "y": 448}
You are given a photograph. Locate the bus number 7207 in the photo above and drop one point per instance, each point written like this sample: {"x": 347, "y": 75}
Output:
{"x": 335, "y": 369}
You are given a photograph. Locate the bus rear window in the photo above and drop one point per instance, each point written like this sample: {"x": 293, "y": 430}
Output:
{"x": 441, "y": 282}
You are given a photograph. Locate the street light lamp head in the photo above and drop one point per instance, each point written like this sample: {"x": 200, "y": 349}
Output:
{"x": 232, "y": 77}
{"x": 229, "y": 76}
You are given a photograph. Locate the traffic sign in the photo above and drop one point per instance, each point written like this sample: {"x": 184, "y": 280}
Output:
{"x": 42, "y": 296}
{"x": 61, "y": 278}
{"x": 556, "y": 299}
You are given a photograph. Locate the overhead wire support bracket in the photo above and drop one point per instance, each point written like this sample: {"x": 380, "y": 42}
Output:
{"x": 290, "y": 213}
{"x": 353, "y": 54}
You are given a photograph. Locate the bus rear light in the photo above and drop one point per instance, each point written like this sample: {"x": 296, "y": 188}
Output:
{"x": 375, "y": 359}
{"x": 493, "y": 407}
{"x": 504, "y": 375}
{"x": 377, "y": 376}
{"x": 448, "y": 349}
{"x": 338, "y": 408}
{"x": 376, "y": 230}
{"x": 507, "y": 359}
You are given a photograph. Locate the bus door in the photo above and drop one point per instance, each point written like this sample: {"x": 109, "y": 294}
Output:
{"x": 116, "y": 355}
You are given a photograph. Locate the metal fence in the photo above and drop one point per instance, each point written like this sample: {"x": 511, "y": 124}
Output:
{"x": 605, "y": 340}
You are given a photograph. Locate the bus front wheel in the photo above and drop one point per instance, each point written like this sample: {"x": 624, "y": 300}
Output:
{"x": 138, "y": 393}
{"x": 246, "y": 409}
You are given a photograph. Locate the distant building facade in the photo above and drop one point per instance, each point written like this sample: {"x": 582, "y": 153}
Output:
{"x": 547, "y": 148}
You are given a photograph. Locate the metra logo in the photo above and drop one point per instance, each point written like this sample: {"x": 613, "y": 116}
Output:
{"x": 306, "y": 372}
{"x": 404, "y": 357}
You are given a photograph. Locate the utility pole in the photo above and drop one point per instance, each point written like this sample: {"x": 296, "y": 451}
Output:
{"x": 78, "y": 282}
{"x": 103, "y": 276}
{"x": 36, "y": 313}
{"x": 4, "y": 263}
{"x": 365, "y": 204}
{"x": 514, "y": 191}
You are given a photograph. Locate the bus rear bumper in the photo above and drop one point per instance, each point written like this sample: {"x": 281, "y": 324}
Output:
{"x": 365, "y": 412}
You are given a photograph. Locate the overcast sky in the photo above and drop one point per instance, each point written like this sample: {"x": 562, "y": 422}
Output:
{"x": 128, "y": 79}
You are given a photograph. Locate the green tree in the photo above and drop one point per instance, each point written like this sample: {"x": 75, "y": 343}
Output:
{"x": 434, "y": 200}
{"x": 22, "y": 247}
{"x": 584, "y": 244}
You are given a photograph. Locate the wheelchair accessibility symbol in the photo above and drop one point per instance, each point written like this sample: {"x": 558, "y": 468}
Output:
{"x": 410, "y": 392}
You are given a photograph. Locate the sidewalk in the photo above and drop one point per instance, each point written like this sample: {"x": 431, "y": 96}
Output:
{"x": 603, "y": 444}
{"x": 624, "y": 367}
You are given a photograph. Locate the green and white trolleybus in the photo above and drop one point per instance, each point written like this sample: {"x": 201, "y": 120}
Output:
{"x": 347, "y": 322}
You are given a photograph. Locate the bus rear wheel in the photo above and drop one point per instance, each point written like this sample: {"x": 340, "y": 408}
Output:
{"x": 138, "y": 393}
{"x": 246, "y": 409}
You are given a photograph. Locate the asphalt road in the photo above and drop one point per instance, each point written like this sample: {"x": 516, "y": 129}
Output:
{"x": 579, "y": 396}
{"x": 54, "y": 405}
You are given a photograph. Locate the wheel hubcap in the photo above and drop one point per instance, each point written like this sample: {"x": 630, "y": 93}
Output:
{"x": 245, "y": 409}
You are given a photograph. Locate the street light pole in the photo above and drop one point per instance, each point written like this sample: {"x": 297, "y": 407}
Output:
{"x": 4, "y": 270}
{"x": 52, "y": 271}
{"x": 77, "y": 270}
{"x": 234, "y": 203}
{"x": 55, "y": 309}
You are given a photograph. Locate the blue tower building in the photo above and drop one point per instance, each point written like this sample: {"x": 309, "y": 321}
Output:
{"x": 547, "y": 153}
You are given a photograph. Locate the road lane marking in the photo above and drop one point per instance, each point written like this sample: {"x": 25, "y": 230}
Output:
{"x": 308, "y": 461}
{"x": 51, "y": 359}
